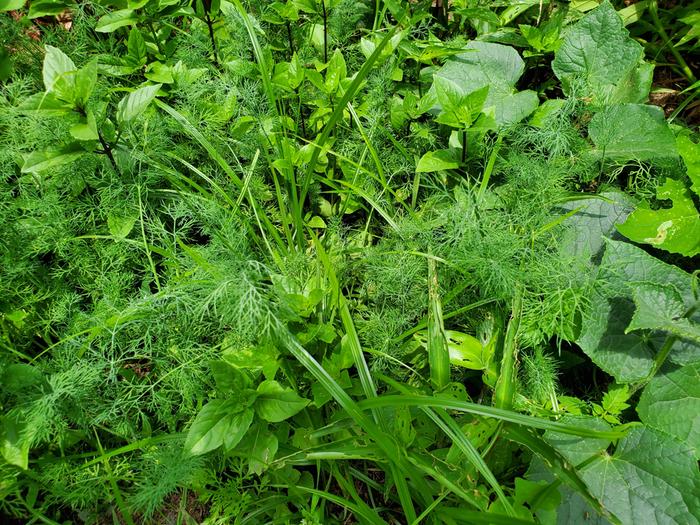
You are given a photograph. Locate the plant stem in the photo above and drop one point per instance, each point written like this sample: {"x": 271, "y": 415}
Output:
{"x": 653, "y": 11}
{"x": 464, "y": 146}
{"x": 662, "y": 355}
{"x": 291, "y": 39}
{"x": 155, "y": 37}
{"x": 377, "y": 9}
{"x": 107, "y": 149}
{"x": 210, "y": 25}
{"x": 505, "y": 386}
{"x": 325, "y": 31}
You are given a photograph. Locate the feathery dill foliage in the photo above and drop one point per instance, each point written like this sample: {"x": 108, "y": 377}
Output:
{"x": 493, "y": 245}
{"x": 194, "y": 309}
{"x": 539, "y": 376}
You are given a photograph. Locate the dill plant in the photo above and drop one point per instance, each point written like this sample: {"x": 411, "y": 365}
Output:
{"x": 256, "y": 245}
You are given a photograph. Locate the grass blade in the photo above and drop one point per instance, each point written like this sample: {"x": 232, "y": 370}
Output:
{"x": 362, "y": 511}
{"x": 202, "y": 140}
{"x": 559, "y": 466}
{"x": 510, "y": 416}
{"x": 337, "y": 114}
{"x": 386, "y": 444}
{"x": 452, "y": 430}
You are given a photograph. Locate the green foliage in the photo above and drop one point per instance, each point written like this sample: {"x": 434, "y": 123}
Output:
{"x": 676, "y": 229}
{"x": 668, "y": 402}
{"x": 333, "y": 261}
{"x": 492, "y": 67}
{"x": 599, "y": 63}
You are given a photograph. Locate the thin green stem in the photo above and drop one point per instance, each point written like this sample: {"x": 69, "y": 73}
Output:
{"x": 156, "y": 40}
{"x": 653, "y": 11}
{"x": 145, "y": 244}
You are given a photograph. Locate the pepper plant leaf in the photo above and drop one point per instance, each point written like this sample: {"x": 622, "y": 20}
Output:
{"x": 38, "y": 161}
{"x": 443, "y": 159}
{"x": 136, "y": 102}
{"x": 113, "y": 21}
{"x": 56, "y": 64}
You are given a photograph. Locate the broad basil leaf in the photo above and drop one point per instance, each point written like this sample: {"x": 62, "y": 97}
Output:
{"x": 276, "y": 403}
{"x": 263, "y": 357}
{"x": 136, "y": 102}
{"x": 221, "y": 422}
